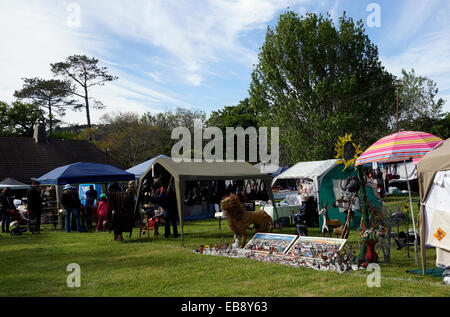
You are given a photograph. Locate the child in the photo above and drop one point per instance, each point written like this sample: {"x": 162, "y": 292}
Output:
{"x": 102, "y": 212}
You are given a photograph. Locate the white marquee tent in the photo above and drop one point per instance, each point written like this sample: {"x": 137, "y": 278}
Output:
{"x": 314, "y": 170}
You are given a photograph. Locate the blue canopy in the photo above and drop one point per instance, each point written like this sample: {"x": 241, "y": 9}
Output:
{"x": 140, "y": 169}
{"x": 279, "y": 171}
{"x": 84, "y": 172}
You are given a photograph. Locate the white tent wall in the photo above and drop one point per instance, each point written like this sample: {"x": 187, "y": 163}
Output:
{"x": 410, "y": 167}
{"x": 438, "y": 201}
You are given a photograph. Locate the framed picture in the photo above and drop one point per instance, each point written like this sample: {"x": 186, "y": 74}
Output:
{"x": 315, "y": 247}
{"x": 271, "y": 243}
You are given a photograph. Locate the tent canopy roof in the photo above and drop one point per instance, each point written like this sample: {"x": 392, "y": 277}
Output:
{"x": 140, "y": 169}
{"x": 430, "y": 164}
{"x": 313, "y": 170}
{"x": 12, "y": 183}
{"x": 208, "y": 171}
{"x": 84, "y": 172}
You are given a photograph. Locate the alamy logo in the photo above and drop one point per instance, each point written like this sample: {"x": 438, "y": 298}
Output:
{"x": 74, "y": 17}
{"x": 213, "y": 151}
{"x": 74, "y": 278}
{"x": 374, "y": 18}
{"x": 374, "y": 278}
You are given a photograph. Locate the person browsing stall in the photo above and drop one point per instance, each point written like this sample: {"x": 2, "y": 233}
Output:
{"x": 103, "y": 207}
{"x": 71, "y": 204}
{"x": 6, "y": 204}
{"x": 34, "y": 202}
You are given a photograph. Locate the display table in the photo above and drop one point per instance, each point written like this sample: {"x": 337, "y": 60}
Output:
{"x": 283, "y": 193}
{"x": 283, "y": 211}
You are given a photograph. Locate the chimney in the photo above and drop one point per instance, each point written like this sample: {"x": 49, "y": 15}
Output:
{"x": 39, "y": 135}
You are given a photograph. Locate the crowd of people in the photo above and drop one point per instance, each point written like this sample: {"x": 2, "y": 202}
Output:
{"x": 76, "y": 216}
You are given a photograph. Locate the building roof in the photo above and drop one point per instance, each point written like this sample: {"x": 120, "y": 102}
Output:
{"x": 24, "y": 159}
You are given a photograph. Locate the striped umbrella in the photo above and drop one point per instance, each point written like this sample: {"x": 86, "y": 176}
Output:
{"x": 399, "y": 147}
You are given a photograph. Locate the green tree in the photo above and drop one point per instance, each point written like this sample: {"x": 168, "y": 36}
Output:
{"x": 441, "y": 128}
{"x": 418, "y": 109}
{"x": 241, "y": 115}
{"x": 317, "y": 81}
{"x": 127, "y": 137}
{"x": 51, "y": 95}
{"x": 18, "y": 119}
{"x": 84, "y": 73}
{"x": 169, "y": 120}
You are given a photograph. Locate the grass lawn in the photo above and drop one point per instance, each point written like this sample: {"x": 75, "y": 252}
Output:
{"x": 35, "y": 265}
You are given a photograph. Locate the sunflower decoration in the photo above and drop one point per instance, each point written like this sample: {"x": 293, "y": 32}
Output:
{"x": 347, "y": 151}
{"x": 405, "y": 207}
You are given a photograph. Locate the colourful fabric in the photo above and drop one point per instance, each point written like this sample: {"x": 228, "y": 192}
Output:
{"x": 102, "y": 209}
{"x": 401, "y": 146}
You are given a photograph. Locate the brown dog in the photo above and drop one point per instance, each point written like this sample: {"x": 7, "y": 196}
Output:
{"x": 240, "y": 219}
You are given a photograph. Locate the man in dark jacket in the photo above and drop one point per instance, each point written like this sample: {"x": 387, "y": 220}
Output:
{"x": 91, "y": 196}
{"x": 167, "y": 199}
{"x": 71, "y": 204}
{"x": 6, "y": 205}
{"x": 34, "y": 202}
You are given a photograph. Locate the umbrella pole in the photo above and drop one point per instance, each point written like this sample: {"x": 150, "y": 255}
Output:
{"x": 412, "y": 215}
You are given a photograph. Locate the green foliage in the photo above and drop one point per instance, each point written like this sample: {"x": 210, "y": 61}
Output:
{"x": 441, "y": 128}
{"x": 18, "y": 119}
{"x": 64, "y": 134}
{"x": 50, "y": 95}
{"x": 167, "y": 121}
{"x": 241, "y": 115}
{"x": 418, "y": 109}
{"x": 317, "y": 82}
{"x": 132, "y": 138}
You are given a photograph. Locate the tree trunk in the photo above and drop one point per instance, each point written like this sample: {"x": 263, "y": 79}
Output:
{"x": 86, "y": 99}
{"x": 50, "y": 122}
{"x": 364, "y": 209}
{"x": 387, "y": 247}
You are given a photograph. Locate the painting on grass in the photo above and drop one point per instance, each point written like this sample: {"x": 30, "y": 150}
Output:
{"x": 316, "y": 249}
{"x": 271, "y": 243}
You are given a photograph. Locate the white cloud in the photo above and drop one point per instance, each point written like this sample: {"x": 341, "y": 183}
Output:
{"x": 411, "y": 18}
{"x": 35, "y": 34}
{"x": 429, "y": 55}
{"x": 194, "y": 33}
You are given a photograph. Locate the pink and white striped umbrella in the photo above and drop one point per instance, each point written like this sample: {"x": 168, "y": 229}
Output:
{"x": 400, "y": 146}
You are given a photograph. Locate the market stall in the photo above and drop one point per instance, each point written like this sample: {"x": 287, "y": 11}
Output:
{"x": 82, "y": 173}
{"x": 434, "y": 185}
{"x": 13, "y": 184}
{"x": 183, "y": 172}
{"x": 326, "y": 177}
{"x": 401, "y": 147}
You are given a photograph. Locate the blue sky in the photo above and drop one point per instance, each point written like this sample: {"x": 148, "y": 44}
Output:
{"x": 197, "y": 53}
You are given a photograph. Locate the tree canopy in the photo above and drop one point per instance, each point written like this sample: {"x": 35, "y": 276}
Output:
{"x": 51, "y": 95}
{"x": 317, "y": 81}
{"x": 18, "y": 119}
{"x": 84, "y": 73}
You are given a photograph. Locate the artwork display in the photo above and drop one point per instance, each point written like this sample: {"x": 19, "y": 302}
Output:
{"x": 325, "y": 254}
{"x": 271, "y": 243}
{"x": 317, "y": 252}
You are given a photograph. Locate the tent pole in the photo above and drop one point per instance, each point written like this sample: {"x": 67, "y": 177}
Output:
{"x": 422, "y": 239}
{"x": 412, "y": 214}
{"x": 271, "y": 197}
